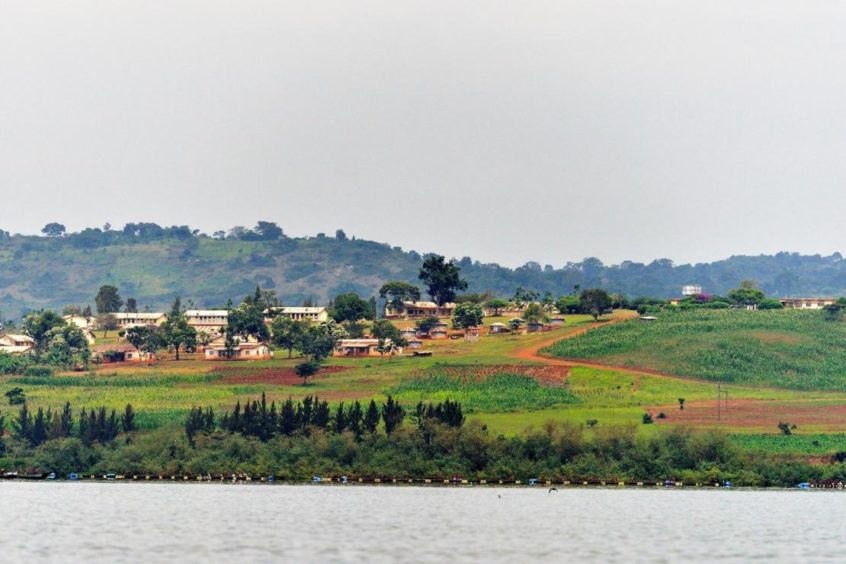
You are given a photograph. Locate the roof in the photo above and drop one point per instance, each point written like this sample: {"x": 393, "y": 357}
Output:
{"x": 207, "y": 313}
{"x": 497, "y": 324}
{"x": 359, "y": 343}
{"x": 286, "y": 309}
{"x": 18, "y": 338}
{"x": 427, "y": 305}
{"x": 115, "y": 347}
{"x": 238, "y": 345}
{"x": 143, "y": 315}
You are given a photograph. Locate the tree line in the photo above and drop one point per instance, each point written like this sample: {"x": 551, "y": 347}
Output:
{"x": 95, "y": 425}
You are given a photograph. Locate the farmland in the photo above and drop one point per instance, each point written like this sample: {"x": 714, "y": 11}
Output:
{"x": 507, "y": 388}
{"x": 786, "y": 349}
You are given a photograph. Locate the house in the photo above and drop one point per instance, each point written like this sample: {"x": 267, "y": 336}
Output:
{"x": 313, "y": 314}
{"x": 127, "y": 320}
{"x": 691, "y": 290}
{"x": 472, "y": 334}
{"x": 439, "y": 331}
{"x": 498, "y": 328}
{"x": 361, "y": 347}
{"x": 418, "y": 309}
{"x": 807, "y": 303}
{"x": 409, "y": 333}
{"x": 17, "y": 344}
{"x": 415, "y": 343}
{"x": 557, "y": 321}
{"x": 80, "y": 321}
{"x": 209, "y": 321}
{"x": 120, "y": 353}
{"x": 243, "y": 349}
{"x": 538, "y": 327}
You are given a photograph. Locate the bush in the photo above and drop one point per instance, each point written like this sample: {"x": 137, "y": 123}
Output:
{"x": 306, "y": 369}
{"x": 647, "y": 419}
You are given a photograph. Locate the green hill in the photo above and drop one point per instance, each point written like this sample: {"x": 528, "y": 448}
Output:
{"x": 153, "y": 264}
{"x": 784, "y": 348}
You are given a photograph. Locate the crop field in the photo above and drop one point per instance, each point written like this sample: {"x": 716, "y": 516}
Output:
{"x": 504, "y": 385}
{"x": 787, "y": 349}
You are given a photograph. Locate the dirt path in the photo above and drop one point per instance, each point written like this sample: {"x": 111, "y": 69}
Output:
{"x": 532, "y": 353}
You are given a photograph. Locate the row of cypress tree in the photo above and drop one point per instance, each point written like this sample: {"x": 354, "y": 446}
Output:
{"x": 96, "y": 425}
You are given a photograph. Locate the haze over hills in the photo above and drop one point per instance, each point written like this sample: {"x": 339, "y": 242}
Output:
{"x": 153, "y": 264}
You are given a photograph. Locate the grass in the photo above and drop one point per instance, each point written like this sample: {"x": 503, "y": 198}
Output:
{"x": 788, "y": 349}
{"x": 495, "y": 393}
{"x": 509, "y": 394}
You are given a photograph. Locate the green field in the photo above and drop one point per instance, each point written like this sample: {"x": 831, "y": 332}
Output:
{"x": 761, "y": 355}
{"x": 787, "y": 349}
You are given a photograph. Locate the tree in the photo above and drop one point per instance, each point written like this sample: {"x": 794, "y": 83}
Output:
{"x": 175, "y": 332}
{"x": 306, "y": 369}
{"x": 747, "y": 294}
{"x": 287, "y": 333}
{"x": 340, "y": 235}
{"x": 595, "y": 301}
{"x": 66, "y": 346}
{"x": 144, "y": 338}
{"x": 442, "y": 279}
{"x": 107, "y": 322}
{"x": 524, "y": 296}
{"x": 395, "y": 292}
{"x": 350, "y": 307}
{"x": 108, "y": 300}
{"x": 54, "y": 230}
{"x": 681, "y": 404}
{"x": 131, "y": 306}
{"x": 268, "y": 230}
{"x": 534, "y": 314}
{"x": 568, "y": 304}
{"x": 497, "y": 305}
{"x": 427, "y": 324}
{"x": 392, "y": 415}
{"x": 371, "y": 418}
{"x": 16, "y": 396}
{"x": 467, "y": 315}
{"x": 37, "y": 325}
{"x": 128, "y": 419}
{"x": 248, "y": 320}
{"x": 319, "y": 342}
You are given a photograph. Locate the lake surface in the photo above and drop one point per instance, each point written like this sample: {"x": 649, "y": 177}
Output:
{"x": 131, "y": 522}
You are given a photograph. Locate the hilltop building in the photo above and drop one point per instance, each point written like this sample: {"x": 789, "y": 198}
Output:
{"x": 806, "y": 303}
{"x": 127, "y": 320}
{"x": 691, "y": 290}
{"x": 209, "y": 321}
{"x": 313, "y": 314}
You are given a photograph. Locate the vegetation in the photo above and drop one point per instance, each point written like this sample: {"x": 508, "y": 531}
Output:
{"x": 790, "y": 349}
{"x": 442, "y": 279}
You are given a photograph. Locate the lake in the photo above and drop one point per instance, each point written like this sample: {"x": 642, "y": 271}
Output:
{"x": 150, "y": 522}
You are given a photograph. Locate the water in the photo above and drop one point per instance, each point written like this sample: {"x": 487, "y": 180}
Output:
{"x": 131, "y": 522}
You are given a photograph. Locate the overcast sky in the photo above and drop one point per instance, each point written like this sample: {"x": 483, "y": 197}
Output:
{"x": 507, "y": 131}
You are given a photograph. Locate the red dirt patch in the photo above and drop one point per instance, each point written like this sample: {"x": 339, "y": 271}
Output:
{"x": 275, "y": 376}
{"x": 754, "y": 413}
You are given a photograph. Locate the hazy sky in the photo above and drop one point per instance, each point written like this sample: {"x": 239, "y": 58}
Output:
{"x": 508, "y": 131}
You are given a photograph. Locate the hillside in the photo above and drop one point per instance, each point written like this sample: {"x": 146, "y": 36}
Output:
{"x": 153, "y": 265}
{"x": 800, "y": 350}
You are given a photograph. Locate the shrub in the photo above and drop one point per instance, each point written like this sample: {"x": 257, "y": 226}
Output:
{"x": 647, "y": 419}
{"x": 306, "y": 369}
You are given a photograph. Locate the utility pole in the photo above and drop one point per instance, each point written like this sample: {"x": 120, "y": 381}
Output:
{"x": 719, "y": 395}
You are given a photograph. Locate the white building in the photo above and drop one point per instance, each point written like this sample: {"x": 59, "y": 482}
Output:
{"x": 691, "y": 290}
{"x": 313, "y": 314}
{"x": 127, "y": 320}
{"x": 209, "y": 321}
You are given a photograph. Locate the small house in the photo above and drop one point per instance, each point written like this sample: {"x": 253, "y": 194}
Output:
{"x": 361, "y": 347}
{"x": 498, "y": 328}
{"x": 81, "y": 321}
{"x": 537, "y": 327}
{"x": 128, "y": 320}
{"x": 17, "y": 344}
{"x": 418, "y": 309}
{"x": 242, "y": 349}
{"x": 472, "y": 334}
{"x": 409, "y": 333}
{"x": 557, "y": 321}
{"x": 439, "y": 331}
{"x": 415, "y": 344}
{"x": 120, "y": 353}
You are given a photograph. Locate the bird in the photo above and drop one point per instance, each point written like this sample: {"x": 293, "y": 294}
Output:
{"x": 552, "y": 490}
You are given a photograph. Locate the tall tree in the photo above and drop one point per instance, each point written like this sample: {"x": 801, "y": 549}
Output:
{"x": 108, "y": 299}
{"x": 467, "y": 315}
{"x": 392, "y": 414}
{"x": 595, "y": 301}
{"x": 38, "y": 325}
{"x": 396, "y": 292}
{"x": 54, "y": 230}
{"x": 176, "y": 332}
{"x": 287, "y": 333}
{"x": 131, "y": 305}
{"x": 107, "y": 322}
{"x": 371, "y": 418}
{"x": 442, "y": 279}
{"x": 497, "y": 305}
{"x": 534, "y": 313}
{"x": 350, "y": 307}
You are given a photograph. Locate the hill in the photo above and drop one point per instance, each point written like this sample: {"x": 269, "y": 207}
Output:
{"x": 153, "y": 264}
{"x": 783, "y": 348}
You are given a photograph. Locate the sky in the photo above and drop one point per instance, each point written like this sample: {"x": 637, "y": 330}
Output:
{"x": 506, "y": 131}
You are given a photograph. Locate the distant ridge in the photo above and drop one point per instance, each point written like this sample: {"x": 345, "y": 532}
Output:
{"x": 153, "y": 264}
